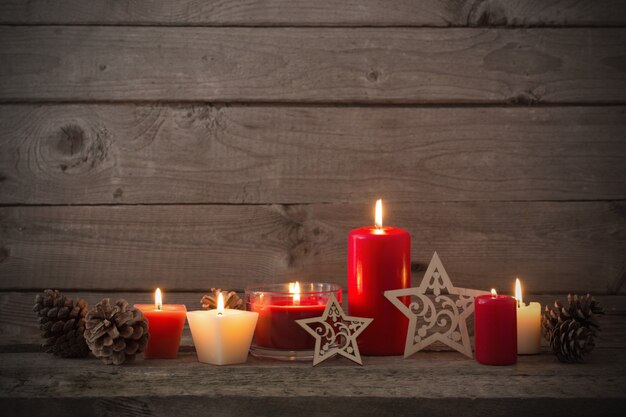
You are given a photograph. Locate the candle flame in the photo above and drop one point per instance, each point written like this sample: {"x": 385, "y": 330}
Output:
{"x": 378, "y": 218}
{"x": 493, "y": 292}
{"x": 220, "y": 304}
{"x": 294, "y": 288}
{"x": 518, "y": 292}
{"x": 158, "y": 300}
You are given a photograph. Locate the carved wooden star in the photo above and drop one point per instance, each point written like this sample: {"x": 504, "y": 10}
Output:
{"x": 335, "y": 333}
{"x": 437, "y": 311}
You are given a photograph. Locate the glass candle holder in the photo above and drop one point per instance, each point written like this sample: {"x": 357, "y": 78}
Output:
{"x": 277, "y": 335}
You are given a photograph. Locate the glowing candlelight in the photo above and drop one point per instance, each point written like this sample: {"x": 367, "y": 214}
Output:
{"x": 378, "y": 218}
{"x": 220, "y": 304}
{"x": 158, "y": 300}
{"x": 528, "y": 324}
{"x": 294, "y": 288}
{"x": 518, "y": 293}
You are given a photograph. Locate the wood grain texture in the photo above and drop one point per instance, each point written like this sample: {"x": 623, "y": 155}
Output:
{"x": 313, "y": 65}
{"x": 316, "y": 13}
{"x": 19, "y": 329}
{"x": 188, "y": 371}
{"x": 128, "y": 154}
{"x": 427, "y": 384}
{"x": 314, "y": 406}
{"x": 555, "y": 247}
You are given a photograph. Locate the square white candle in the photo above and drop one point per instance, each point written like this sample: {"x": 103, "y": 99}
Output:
{"x": 222, "y": 338}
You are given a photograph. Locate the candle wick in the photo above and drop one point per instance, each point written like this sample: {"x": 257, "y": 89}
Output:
{"x": 219, "y": 313}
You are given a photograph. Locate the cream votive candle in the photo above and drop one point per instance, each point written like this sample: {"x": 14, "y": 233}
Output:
{"x": 222, "y": 336}
{"x": 528, "y": 324}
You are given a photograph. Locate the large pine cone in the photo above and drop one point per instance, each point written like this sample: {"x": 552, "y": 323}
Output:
{"x": 62, "y": 324}
{"x": 231, "y": 300}
{"x": 116, "y": 332}
{"x": 571, "y": 329}
{"x": 571, "y": 341}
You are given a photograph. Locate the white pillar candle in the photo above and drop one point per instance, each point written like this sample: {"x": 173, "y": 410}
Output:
{"x": 528, "y": 324}
{"x": 222, "y": 336}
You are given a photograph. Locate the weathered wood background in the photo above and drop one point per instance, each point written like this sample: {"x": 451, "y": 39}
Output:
{"x": 190, "y": 144}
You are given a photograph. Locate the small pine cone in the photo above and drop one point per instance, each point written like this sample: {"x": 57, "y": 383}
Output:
{"x": 116, "y": 332}
{"x": 571, "y": 329}
{"x": 62, "y": 324}
{"x": 572, "y": 342}
{"x": 582, "y": 309}
{"x": 231, "y": 300}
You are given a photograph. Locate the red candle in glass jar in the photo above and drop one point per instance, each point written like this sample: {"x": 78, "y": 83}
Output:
{"x": 379, "y": 259}
{"x": 165, "y": 325}
{"x": 277, "y": 327}
{"x": 495, "y": 329}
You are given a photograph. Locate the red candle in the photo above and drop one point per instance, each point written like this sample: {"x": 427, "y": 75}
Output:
{"x": 276, "y": 326}
{"x": 379, "y": 259}
{"x": 495, "y": 329}
{"x": 165, "y": 325}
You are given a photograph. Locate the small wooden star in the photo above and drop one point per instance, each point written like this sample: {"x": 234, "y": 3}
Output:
{"x": 438, "y": 311}
{"x": 335, "y": 333}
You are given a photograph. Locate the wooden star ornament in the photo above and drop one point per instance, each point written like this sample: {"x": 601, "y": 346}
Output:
{"x": 437, "y": 311}
{"x": 335, "y": 333}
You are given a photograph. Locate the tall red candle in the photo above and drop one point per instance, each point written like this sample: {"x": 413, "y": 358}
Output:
{"x": 379, "y": 259}
{"x": 495, "y": 329}
{"x": 165, "y": 325}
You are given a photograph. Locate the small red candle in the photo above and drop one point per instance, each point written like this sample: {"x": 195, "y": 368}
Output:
{"x": 278, "y": 311}
{"x": 495, "y": 329}
{"x": 379, "y": 259}
{"x": 165, "y": 325}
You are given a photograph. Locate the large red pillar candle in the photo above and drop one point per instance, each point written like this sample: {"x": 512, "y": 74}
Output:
{"x": 379, "y": 259}
{"x": 165, "y": 325}
{"x": 495, "y": 329}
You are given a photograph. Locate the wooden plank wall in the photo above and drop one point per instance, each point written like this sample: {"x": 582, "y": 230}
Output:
{"x": 192, "y": 144}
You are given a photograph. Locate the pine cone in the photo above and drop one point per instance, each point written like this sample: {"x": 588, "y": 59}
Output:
{"x": 62, "y": 324}
{"x": 116, "y": 332}
{"x": 571, "y": 329}
{"x": 231, "y": 300}
{"x": 572, "y": 342}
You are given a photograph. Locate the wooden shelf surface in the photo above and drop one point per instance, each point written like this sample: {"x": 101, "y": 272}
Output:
{"x": 434, "y": 383}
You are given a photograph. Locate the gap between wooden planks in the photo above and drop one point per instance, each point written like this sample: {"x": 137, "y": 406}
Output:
{"x": 439, "y": 13}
